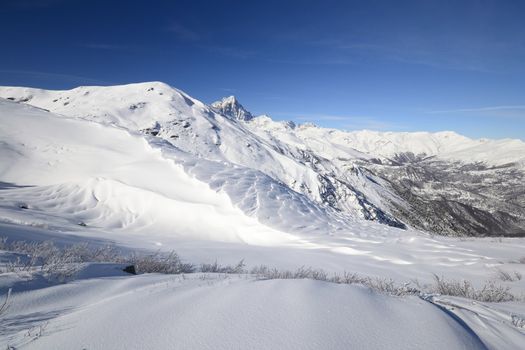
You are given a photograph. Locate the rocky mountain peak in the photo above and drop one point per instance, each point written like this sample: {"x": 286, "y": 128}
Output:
{"x": 230, "y": 107}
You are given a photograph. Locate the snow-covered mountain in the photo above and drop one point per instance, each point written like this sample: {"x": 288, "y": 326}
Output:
{"x": 145, "y": 167}
{"x": 441, "y": 182}
{"x": 229, "y": 106}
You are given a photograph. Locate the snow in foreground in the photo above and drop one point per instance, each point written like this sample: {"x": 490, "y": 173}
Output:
{"x": 208, "y": 311}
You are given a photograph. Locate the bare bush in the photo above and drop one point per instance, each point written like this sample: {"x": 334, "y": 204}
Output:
{"x": 508, "y": 276}
{"x": 161, "y": 263}
{"x": 490, "y": 292}
{"x": 264, "y": 272}
{"x": 518, "y": 321}
{"x": 19, "y": 266}
{"x": 60, "y": 264}
{"x": 3, "y": 243}
{"x": 218, "y": 268}
{"x": 4, "y": 306}
{"x": 57, "y": 264}
{"x": 386, "y": 286}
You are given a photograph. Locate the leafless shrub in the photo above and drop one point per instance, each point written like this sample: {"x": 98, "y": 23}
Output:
{"x": 508, "y": 276}
{"x": 518, "y": 321}
{"x": 522, "y": 260}
{"x": 161, "y": 263}
{"x": 490, "y": 292}
{"x": 19, "y": 265}
{"x": 60, "y": 264}
{"x": 48, "y": 253}
{"x": 57, "y": 264}
{"x": 4, "y": 306}
{"x": 3, "y": 243}
{"x": 349, "y": 278}
{"x": 264, "y": 272}
{"x": 37, "y": 331}
{"x": 386, "y": 286}
{"x": 107, "y": 253}
{"x": 218, "y": 268}
{"x": 454, "y": 288}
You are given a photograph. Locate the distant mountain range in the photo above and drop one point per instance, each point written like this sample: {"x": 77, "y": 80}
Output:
{"x": 303, "y": 178}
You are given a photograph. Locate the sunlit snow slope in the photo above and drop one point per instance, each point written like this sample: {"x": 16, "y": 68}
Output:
{"x": 77, "y": 171}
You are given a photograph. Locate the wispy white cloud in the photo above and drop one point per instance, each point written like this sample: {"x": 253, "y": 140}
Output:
{"x": 483, "y": 109}
{"x": 494, "y": 112}
{"x": 409, "y": 51}
{"x": 55, "y": 76}
{"x": 103, "y": 46}
{"x": 466, "y": 51}
{"x": 183, "y": 32}
{"x": 338, "y": 60}
{"x": 30, "y": 4}
{"x": 229, "y": 51}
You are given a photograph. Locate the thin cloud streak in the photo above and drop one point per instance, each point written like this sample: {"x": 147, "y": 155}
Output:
{"x": 101, "y": 46}
{"x": 183, "y": 32}
{"x": 31, "y": 4}
{"x": 481, "y": 109}
{"x": 59, "y": 76}
{"x": 229, "y": 51}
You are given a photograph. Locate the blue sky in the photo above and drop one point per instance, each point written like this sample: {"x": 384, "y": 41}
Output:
{"x": 381, "y": 65}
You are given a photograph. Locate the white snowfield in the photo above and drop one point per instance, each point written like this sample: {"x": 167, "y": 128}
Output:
{"x": 213, "y": 312}
{"x": 209, "y": 188}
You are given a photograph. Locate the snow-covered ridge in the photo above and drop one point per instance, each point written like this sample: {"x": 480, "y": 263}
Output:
{"x": 447, "y": 145}
{"x": 142, "y": 105}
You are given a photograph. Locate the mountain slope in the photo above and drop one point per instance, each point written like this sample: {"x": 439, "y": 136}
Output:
{"x": 441, "y": 182}
{"x": 163, "y": 171}
{"x": 159, "y": 110}
{"x": 63, "y": 171}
